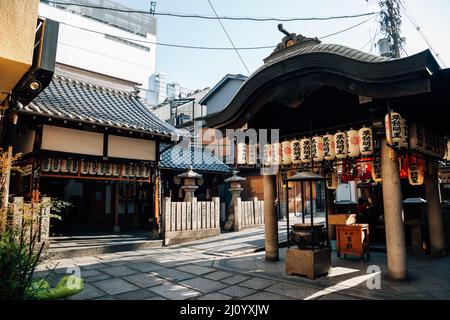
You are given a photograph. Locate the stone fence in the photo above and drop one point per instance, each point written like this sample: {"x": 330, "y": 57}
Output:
{"x": 186, "y": 221}
{"x": 248, "y": 214}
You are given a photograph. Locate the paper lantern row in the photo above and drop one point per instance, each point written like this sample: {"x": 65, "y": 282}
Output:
{"x": 341, "y": 145}
{"x": 400, "y": 133}
{"x": 94, "y": 168}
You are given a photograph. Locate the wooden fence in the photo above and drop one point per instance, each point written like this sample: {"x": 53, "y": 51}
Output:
{"x": 185, "y": 221}
{"x": 248, "y": 214}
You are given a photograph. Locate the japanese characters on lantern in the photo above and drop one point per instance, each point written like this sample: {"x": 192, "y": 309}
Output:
{"x": 365, "y": 141}
{"x": 332, "y": 180}
{"x": 56, "y": 165}
{"x": 340, "y": 145}
{"x": 241, "y": 153}
{"x": 317, "y": 148}
{"x": 267, "y": 154}
{"x": 393, "y": 126}
{"x": 416, "y": 137}
{"x": 353, "y": 143}
{"x": 305, "y": 150}
{"x": 286, "y": 157}
{"x": 416, "y": 172}
{"x": 376, "y": 170}
{"x": 328, "y": 147}
{"x": 276, "y": 154}
{"x": 296, "y": 154}
{"x": 252, "y": 152}
{"x": 405, "y": 134}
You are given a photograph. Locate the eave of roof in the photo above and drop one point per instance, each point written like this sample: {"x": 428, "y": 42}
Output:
{"x": 220, "y": 84}
{"x": 82, "y": 102}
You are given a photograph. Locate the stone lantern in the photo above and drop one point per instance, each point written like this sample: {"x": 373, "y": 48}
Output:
{"x": 189, "y": 179}
{"x": 235, "y": 189}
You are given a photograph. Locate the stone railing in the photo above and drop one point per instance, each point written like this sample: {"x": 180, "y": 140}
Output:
{"x": 186, "y": 221}
{"x": 248, "y": 214}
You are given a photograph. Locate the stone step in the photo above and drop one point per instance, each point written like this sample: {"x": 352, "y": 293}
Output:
{"x": 71, "y": 250}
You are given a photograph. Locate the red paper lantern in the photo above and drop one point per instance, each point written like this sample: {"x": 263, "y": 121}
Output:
{"x": 404, "y": 164}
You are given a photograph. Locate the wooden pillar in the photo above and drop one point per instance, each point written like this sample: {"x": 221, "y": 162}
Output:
{"x": 116, "y": 207}
{"x": 392, "y": 201}
{"x": 156, "y": 195}
{"x": 435, "y": 221}
{"x": 270, "y": 218}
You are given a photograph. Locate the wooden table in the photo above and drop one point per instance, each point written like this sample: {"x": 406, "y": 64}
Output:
{"x": 353, "y": 240}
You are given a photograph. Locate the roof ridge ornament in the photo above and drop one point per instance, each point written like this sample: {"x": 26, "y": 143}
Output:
{"x": 291, "y": 41}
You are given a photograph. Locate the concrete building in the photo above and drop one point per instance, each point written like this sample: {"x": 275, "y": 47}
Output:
{"x": 116, "y": 49}
{"x": 162, "y": 91}
{"x": 222, "y": 93}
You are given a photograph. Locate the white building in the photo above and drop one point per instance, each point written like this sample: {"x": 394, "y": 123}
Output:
{"x": 120, "y": 53}
{"x": 161, "y": 90}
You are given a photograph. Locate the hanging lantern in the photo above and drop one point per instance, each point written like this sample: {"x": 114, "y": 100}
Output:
{"x": 92, "y": 168}
{"x": 448, "y": 151}
{"x": 376, "y": 171}
{"x": 332, "y": 180}
{"x": 305, "y": 150}
{"x": 46, "y": 164}
{"x": 364, "y": 170}
{"x": 108, "y": 169}
{"x": 416, "y": 172}
{"x": 116, "y": 170}
{"x": 340, "y": 145}
{"x": 403, "y": 165}
{"x": 252, "y": 152}
{"x": 365, "y": 141}
{"x": 317, "y": 148}
{"x": 64, "y": 166}
{"x": 132, "y": 169}
{"x": 296, "y": 152}
{"x": 353, "y": 143}
{"x": 100, "y": 169}
{"x": 276, "y": 154}
{"x": 405, "y": 134}
{"x": 125, "y": 170}
{"x": 416, "y": 137}
{"x": 73, "y": 166}
{"x": 146, "y": 172}
{"x": 328, "y": 147}
{"x": 241, "y": 153}
{"x": 444, "y": 177}
{"x": 139, "y": 171}
{"x": 267, "y": 155}
{"x": 286, "y": 157}
{"x": 393, "y": 127}
{"x": 84, "y": 167}
{"x": 56, "y": 165}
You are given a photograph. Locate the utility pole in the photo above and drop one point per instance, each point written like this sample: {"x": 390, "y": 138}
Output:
{"x": 390, "y": 24}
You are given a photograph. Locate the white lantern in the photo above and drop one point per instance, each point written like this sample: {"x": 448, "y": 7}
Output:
{"x": 146, "y": 172}
{"x": 84, "y": 167}
{"x": 139, "y": 171}
{"x": 332, "y": 180}
{"x": 65, "y": 166}
{"x": 353, "y": 143}
{"x": 46, "y": 164}
{"x": 241, "y": 153}
{"x": 376, "y": 171}
{"x": 56, "y": 165}
{"x": 305, "y": 150}
{"x": 393, "y": 127}
{"x": 73, "y": 166}
{"x": 100, "y": 169}
{"x": 109, "y": 169}
{"x": 443, "y": 176}
{"x": 296, "y": 152}
{"x": 132, "y": 170}
{"x": 252, "y": 152}
{"x": 286, "y": 150}
{"x": 405, "y": 134}
{"x": 116, "y": 170}
{"x": 276, "y": 154}
{"x": 328, "y": 147}
{"x": 415, "y": 174}
{"x": 365, "y": 141}
{"x": 92, "y": 168}
{"x": 448, "y": 151}
{"x": 340, "y": 145}
{"x": 267, "y": 155}
{"x": 317, "y": 148}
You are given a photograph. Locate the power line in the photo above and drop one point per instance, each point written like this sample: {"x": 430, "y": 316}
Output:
{"x": 229, "y": 38}
{"x": 208, "y": 17}
{"x": 416, "y": 25}
{"x": 199, "y": 47}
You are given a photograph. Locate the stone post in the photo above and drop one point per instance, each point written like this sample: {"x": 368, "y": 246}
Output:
{"x": 45, "y": 222}
{"x": 270, "y": 219}
{"x": 392, "y": 201}
{"x": 234, "y": 219}
{"x": 435, "y": 221}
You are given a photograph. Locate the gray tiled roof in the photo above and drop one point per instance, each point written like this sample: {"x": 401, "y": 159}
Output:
{"x": 176, "y": 157}
{"x": 78, "y": 101}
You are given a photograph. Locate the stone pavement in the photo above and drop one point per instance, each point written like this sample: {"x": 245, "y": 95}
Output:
{"x": 214, "y": 269}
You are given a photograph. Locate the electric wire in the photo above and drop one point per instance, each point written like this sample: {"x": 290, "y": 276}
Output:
{"x": 210, "y": 17}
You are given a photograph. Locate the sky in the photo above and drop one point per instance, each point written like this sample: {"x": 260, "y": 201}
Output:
{"x": 197, "y": 69}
